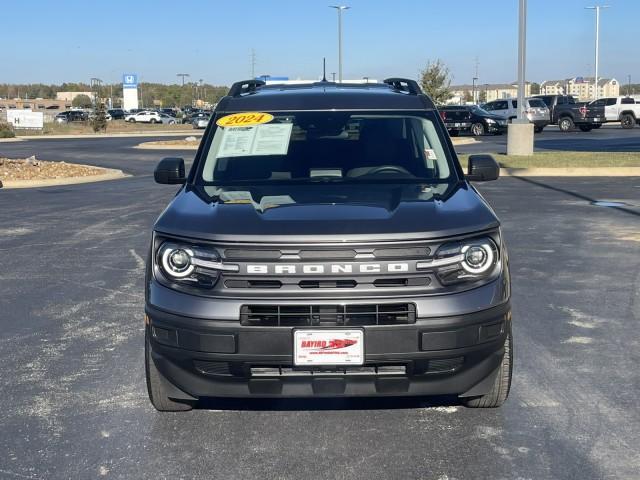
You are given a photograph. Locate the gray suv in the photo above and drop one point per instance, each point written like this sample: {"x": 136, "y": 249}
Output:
{"x": 536, "y": 111}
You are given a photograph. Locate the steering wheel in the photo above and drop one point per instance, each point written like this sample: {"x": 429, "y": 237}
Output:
{"x": 389, "y": 169}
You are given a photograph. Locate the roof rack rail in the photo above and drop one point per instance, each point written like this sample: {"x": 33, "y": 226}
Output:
{"x": 404, "y": 84}
{"x": 245, "y": 86}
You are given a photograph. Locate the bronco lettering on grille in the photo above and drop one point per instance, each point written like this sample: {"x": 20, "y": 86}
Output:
{"x": 326, "y": 269}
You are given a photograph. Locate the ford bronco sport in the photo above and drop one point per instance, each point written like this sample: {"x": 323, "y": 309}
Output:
{"x": 326, "y": 242}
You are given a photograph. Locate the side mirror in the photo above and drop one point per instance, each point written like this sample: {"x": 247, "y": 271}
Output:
{"x": 482, "y": 168}
{"x": 170, "y": 171}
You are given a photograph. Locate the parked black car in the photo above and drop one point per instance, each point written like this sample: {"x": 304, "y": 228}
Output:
{"x": 117, "y": 113}
{"x": 193, "y": 115}
{"x": 169, "y": 111}
{"x": 472, "y": 119}
{"x": 567, "y": 113}
{"x": 71, "y": 116}
{"x": 326, "y": 242}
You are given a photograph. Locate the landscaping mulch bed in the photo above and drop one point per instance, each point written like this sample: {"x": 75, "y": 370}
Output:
{"x": 33, "y": 169}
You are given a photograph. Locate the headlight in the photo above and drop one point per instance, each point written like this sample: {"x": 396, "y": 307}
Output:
{"x": 464, "y": 261}
{"x": 490, "y": 120}
{"x": 192, "y": 265}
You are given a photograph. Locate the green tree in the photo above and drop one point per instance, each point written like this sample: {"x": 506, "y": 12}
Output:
{"x": 435, "y": 80}
{"x": 467, "y": 97}
{"x": 482, "y": 98}
{"x": 535, "y": 88}
{"x": 81, "y": 101}
{"x": 99, "y": 120}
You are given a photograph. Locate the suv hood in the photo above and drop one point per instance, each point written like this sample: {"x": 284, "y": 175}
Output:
{"x": 326, "y": 213}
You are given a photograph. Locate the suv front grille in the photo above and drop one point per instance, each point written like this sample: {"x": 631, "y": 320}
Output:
{"x": 327, "y": 315}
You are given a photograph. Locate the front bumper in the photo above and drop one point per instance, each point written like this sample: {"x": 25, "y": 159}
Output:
{"x": 457, "y": 354}
{"x": 496, "y": 128}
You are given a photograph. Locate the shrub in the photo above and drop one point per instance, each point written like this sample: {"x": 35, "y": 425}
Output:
{"x": 6, "y": 130}
{"x": 82, "y": 101}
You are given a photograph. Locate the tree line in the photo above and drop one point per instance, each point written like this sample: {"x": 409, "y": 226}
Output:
{"x": 150, "y": 94}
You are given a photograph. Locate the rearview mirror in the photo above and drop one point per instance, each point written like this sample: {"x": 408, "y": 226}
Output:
{"x": 170, "y": 171}
{"x": 482, "y": 168}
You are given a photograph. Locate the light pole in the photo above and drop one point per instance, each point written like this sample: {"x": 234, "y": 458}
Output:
{"x": 340, "y": 8}
{"x": 629, "y": 87}
{"x": 520, "y": 132}
{"x": 182, "y": 75}
{"x": 473, "y": 89}
{"x": 333, "y": 74}
{"x": 597, "y": 9}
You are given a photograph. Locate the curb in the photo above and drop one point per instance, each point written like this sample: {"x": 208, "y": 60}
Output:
{"x": 152, "y": 146}
{"x": 571, "y": 172}
{"x": 110, "y": 174}
{"x": 12, "y": 139}
{"x": 173, "y": 133}
{"x": 463, "y": 141}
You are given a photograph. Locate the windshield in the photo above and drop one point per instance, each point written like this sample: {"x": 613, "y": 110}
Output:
{"x": 481, "y": 111}
{"x": 325, "y": 147}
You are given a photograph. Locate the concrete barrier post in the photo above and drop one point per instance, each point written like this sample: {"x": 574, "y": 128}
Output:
{"x": 520, "y": 139}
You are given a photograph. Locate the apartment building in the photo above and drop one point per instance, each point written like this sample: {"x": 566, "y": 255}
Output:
{"x": 581, "y": 87}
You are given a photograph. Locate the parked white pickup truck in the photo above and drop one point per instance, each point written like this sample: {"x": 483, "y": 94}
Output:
{"x": 620, "y": 109}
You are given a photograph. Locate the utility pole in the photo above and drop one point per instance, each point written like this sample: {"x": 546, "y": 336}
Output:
{"x": 597, "y": 8}
{"x": 183, "y": 75}
{"x": 340, "y": 8}
{"x": 629, "y": 87}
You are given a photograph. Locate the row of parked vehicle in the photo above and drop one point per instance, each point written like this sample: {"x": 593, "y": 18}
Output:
{"x": 167, "y": 116}
{"x": 541, "y": 110}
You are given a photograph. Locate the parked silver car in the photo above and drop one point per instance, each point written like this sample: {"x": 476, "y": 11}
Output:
{"x": 536, "y": 111}
{"x": 167, "y": 119}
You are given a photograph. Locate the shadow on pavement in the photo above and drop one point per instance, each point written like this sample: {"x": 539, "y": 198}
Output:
{"x": 574, "y": 194}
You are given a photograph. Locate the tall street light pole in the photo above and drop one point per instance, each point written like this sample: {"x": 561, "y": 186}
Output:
{"x": 597, "y": 8}
{"x": 520, "y": 133}
{"x": 183, "y": 75}
{"x": 473, "y": 92}
{"x": 340, "y": 8}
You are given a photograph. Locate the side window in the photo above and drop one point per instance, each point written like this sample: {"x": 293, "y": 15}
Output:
{"x": 611, "y": 101}
{"x": 489, "y": 106}
{"x": 626, "y": 101}
{"x": 547, "y": 100}
{"x": 561, "y": 101}
{"x": 502, "y": 105}
{"x": 514, "y": 103}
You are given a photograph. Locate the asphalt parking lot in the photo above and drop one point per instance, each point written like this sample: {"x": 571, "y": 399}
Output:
{"x": 75, "y": 406}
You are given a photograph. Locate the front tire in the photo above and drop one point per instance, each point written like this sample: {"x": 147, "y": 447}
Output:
{"x": 627, "y": 121}
{"x": 157, "y": 394}
{"x": 565, "y": 124}
{"x": 477, "y": 129}
{"x": 132, "y": 120}
{"x": 153, "y": 121}
{"x": 502, "y": 384}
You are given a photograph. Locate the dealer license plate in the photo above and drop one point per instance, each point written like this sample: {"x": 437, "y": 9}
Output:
{"x": 328, "y": 347}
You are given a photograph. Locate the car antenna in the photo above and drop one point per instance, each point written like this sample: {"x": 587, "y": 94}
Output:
{"x": 324, "y": 69}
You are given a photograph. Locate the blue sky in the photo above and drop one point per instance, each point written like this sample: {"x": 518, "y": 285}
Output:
{"x": 56, "y": 41}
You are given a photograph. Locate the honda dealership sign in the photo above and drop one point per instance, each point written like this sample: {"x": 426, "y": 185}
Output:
{"x": 129, "y": 91}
